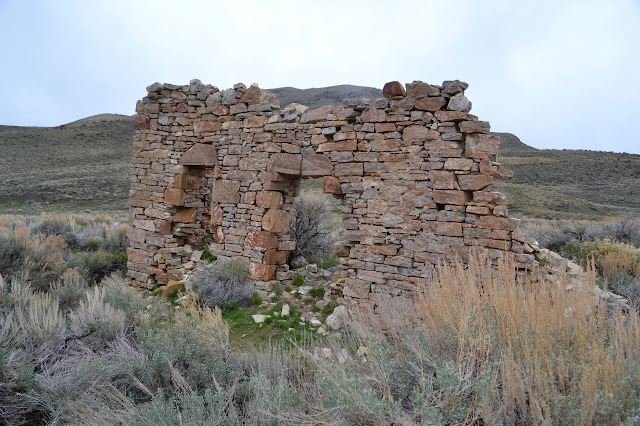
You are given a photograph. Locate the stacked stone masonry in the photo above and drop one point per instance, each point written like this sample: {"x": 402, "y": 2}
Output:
{"x": 414, "y": 171}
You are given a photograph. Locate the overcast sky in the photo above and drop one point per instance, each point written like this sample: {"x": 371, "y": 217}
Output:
{"x": 559, "y": 74}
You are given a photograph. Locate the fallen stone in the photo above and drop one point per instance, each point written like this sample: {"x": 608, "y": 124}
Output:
{"x": 338, "y": 319}
{"x": 259, "y": 318}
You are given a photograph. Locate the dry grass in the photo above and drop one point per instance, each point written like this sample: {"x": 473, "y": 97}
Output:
{"x": 553, "y": 353}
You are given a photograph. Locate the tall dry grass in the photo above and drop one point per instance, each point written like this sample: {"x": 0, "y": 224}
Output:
{"x": 553, "y": 354}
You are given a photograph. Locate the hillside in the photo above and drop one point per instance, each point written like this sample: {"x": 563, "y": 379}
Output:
{"x": 85, "y": 165}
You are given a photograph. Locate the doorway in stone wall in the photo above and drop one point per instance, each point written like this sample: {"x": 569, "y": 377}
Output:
{"x": 316, "y": 226}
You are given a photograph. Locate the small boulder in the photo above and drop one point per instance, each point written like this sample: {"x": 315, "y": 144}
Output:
{"x": 393, "y": 88}
{"x": 259, "y": 318}
{"x": 299, "y": 262}
{"x": 338, "y": 318}
{"x": 286, "y": 310}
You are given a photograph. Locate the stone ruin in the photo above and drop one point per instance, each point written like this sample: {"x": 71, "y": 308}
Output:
{"x": 414, "y": 171}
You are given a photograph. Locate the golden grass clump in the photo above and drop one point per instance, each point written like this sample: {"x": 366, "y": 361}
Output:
{"x": 551, "y": 353}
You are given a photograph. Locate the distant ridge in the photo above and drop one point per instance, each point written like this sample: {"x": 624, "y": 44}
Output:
{"x": 317, "y": 97}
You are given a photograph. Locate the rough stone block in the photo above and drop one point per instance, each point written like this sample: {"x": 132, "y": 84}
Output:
{"x": 174, "y": 196}
{"x": 315, "y": 165}
{"x": 261, "y": 272}
{"x": 393, "y": 88}
{"x": 142, "y": 122}
{"x": 261, "y": 239}
{"x": 269, "y": 199}
{"x": 431, "y": 104}
{"x": 413, "y": 134}
{"x": 442, "y": 179}
{"x": 458, "y": 198}
{"x": 462, "y": 164}
{"x": 420, "y": 89}
{"x": 315, "y": 115}
{"x": 356, "y": 288}
{"x": 475, "y": 127}
{"x": 331, "y": 185}
{"x": 202, "y": 155}
{"x": 474, "y": 182}
{"x": 217, "y": 214}
{"x": 276, "y": 220}
{"x": 185, "y": 215}
{"x": 287, "y": 164}
{"x": 226, "y": 191}
{"x": 172, "y": 286}
{"x": 185, "y": 181}
{"x": 349, "y": 169}
{"x": 206, "y": 126}
{"x": 481, "y": 145}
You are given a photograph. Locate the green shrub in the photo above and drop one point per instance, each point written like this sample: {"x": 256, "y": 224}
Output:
{"x": 95, "y": 243}
{"x": 256, "y": 299}
{"x": 97, "y": 265}
{"x": 326, "y": 261}
{"x": 298, "y": 280}
{"x": 317, "y": 292}
{"x": 206, "y": 255}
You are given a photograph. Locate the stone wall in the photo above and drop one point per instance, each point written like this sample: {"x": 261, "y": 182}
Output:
{"x": 414, "y": 171}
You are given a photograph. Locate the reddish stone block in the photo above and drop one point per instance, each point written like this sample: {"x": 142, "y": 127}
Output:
{"x": 493, "y": 222}
{"x": 443, "y": 116}
{"x": 331, "y": 185}
{"x": 450, "y": 229}
{"x": 287, "y": 164}
{"x": 458, "y": 198}
{"x": 200, "y": 154}
{"x": 182, "y": 107}
{"x": 136, "y": 235}
{"x": 348, "y": 145}
{"x": 226, "y": 191}
{"x": 218, "y": 235}
{"x": 251, "y": 95}
{"x": 373, "y": 115}
{"x": 138, "y": 256}
{"x": 256, "y": 121}
{"x": 217, "y": 214}
{"x": 462, "y": 164}
{"x": 261, "y": 272}
{"x": 385, "y": 127}
{"x": 206, "y": 126}
{"x": 478, "y": 210}
{"x": 185, "y": 215}
{"x": 261, "y": 239}
{"x": 185, "y": 181}
{"x": 475, "y": 127}
{"x": 349, "y": 169}
{"x": 315, "y": 115}
{"x": 316, "y": 165}
{"x": 481, "y": 145}
{"x": 474, "y": 182}
{"x": 276, "y": 220}
{"x": 442, "y": 179}
{"x": 356, "y": 288}
{"x": 431, "y": 104}
{"x": 175, "y": 196}
{"x": 413, "y": 134}
{"x": 393, "y": 88}
{"x": 269, "y": 199}
{"x": 142, "y": 122}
